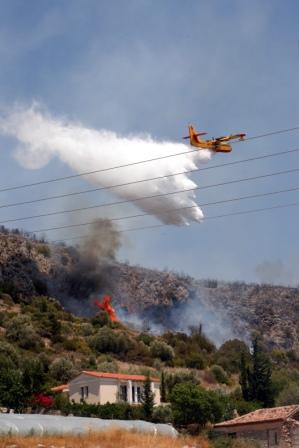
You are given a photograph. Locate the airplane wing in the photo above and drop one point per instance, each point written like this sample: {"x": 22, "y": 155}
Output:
{"x": 230, "y": 137}
{"x": 223, "y": 138}
{"x": 195, "y": 135}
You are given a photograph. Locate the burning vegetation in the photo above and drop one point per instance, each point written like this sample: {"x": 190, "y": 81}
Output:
{"x": 105, "y": 305}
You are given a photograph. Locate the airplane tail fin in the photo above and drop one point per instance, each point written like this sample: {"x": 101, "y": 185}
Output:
{"x": 193, "y": 134}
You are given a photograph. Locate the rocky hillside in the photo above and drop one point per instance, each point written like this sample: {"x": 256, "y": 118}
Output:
{"x": 31, "y": 267}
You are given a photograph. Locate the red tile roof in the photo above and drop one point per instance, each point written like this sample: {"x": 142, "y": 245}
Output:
{"x": 118, "y": 376}
{"x": 262, "y": 415}
{"x": 61, "y": 388}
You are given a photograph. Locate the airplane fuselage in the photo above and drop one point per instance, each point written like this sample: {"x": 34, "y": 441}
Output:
{"x": 212, "y": 145}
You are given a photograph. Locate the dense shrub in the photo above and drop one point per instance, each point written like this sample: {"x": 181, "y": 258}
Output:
{"x": 236, "y": 401}
{"x": 140, "y": 353}
{"x": 195, "y": 361}
{"x": 20, "y": 330}
{"x": 228, "y": 355}
{"x": 107, "y": 366}
{"x": 159, "y": 349}
{"x": 101, "y": 319}
{"x": 12, "y": 391}
{"x": 282, "y": 377}
{"x": 118, "y": 411}
{"x": 219, "y": 374}
{"x": 43, "y": 249}
{"x": 86, "y": 329}
{"x": 179, "y": 377}
{"x": 76, "y": 345}
{"x": 8, "y": 355}
{"x": 145, "y": 338}
{"x": 162, "y": 414}
{"x": 289, "y": 395}
{"x": 192, "y": 404}
{"x": 40, "y": 285}
{"x": 190, "y": 347}
{"x": 9, "y": 288}
{"x": 62, "y": 370}
{"x": 108, "y": 341}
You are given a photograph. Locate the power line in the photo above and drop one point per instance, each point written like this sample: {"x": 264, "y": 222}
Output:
{"x": 264, "y": 156}
{"x": 292, "y": 170}
{"x": 140, "y": 215}
{"x": 86, "y": 173}
{"x": 267, "y": 134}
{"x": 245, "y": 212}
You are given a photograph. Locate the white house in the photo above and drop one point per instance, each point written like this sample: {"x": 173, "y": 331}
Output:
{"x": 102, "y": 387}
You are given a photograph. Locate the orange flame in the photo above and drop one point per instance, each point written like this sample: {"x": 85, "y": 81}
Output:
{"x": 105, "y": 305}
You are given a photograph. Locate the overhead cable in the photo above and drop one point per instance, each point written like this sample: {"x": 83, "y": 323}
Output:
{"x": 86, "y": 173}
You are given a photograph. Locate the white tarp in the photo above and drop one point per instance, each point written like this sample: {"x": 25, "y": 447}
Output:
{"x": 38, "y": 424}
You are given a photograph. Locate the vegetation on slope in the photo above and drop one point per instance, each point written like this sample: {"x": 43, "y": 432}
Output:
{"x": 42, "y": 345}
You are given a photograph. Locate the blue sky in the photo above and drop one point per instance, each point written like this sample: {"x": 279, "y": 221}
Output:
{"x": 152, "y": 67}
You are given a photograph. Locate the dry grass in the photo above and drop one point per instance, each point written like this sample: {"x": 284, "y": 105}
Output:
{"x": 107, "y": 439}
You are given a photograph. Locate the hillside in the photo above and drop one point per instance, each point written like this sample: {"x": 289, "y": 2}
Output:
{"x": 50, "y": 328}
{"x": 151, "y": 298}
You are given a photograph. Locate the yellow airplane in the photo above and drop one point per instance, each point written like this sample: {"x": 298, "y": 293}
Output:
{"x": 215, "y": 144}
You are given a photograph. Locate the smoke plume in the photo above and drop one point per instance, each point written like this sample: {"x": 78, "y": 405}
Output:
{"x": 87, "y": 271}
{"x": 42, "y": 137}
{"x": 102, "y": 243}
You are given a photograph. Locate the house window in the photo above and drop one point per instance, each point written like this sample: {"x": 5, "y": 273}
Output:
{"x": 133, "y": 394}
{"x": 123, "y": 393}
{"x": 84, "y": 392}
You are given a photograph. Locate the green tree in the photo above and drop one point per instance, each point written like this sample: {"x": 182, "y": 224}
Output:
{"x": 33, "y": 376}
{"x": 260, "y": 380}
{"x": 244, "y": 377}
{"x": 12, "y": 391}
{"x": 160, "y": 349}
{"x": 195, "y": 361}
{"x": 55, "y": 328}
{"x": 108, "y": 341}
{"x": 228, "y": 355}
{"x": 192, "y": 404}
{"x": 9, "y": 357}
{"x": 163, "y": 388}
{"x": 62, "y": 370}
{"x": 219, "y": 374}
{"x": 20, "y": 330}
{"x": 147, "y": 399}
{"x": 162, "y": 414}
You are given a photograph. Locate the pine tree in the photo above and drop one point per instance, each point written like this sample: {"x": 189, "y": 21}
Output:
{"x": 256, "y": 381}
{"x": 244, "y": 378}
{"x": 163, "y": 388}
{"x": 147, "y": 399}
{"x": 261, "y": 388}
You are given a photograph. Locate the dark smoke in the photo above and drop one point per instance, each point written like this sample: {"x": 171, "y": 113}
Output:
{"x": 102, "y": 244}
{"x": 86, "y": 271}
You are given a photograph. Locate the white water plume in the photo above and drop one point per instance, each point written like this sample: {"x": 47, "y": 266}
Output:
{"x": 42, "y": 137}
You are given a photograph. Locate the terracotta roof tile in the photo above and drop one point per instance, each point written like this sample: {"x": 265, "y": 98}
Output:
{"x": 61, "y": 388}
{"x": 262, "y": 415}
{"x": 118, "y": 376}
